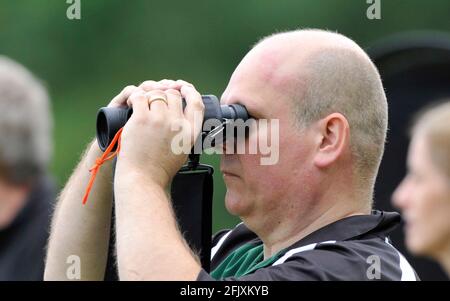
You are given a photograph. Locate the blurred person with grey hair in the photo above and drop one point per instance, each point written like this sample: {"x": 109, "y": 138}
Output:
{"x": 424, "y": 194}
{"x": 26, "y": 190}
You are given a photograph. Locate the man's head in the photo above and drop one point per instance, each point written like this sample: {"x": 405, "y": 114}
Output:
{"x": 332, "y": 112}
{"x": 25, "y": 124}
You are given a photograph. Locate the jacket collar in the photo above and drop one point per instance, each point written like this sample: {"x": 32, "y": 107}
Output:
{"x": 379, "y": 223}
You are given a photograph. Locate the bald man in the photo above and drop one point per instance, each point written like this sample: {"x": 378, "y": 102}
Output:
{"x": 307, "y": 217}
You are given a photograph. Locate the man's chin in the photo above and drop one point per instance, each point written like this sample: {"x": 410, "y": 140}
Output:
{"x": 235, "y": 204}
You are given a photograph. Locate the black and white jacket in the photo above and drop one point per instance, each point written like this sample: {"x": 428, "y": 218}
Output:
{"x": 344, "y": 250}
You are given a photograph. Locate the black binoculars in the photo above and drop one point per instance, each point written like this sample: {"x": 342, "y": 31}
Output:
{"x": 110, "y": 120}
{"x": 192, "y": 187}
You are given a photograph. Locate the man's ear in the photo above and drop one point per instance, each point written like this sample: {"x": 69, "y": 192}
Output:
{"x": 333, "y": 139}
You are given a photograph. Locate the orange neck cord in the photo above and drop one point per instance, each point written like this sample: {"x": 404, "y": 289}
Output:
{"x": 107, "y": 155}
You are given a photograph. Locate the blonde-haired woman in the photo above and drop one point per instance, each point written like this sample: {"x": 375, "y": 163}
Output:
{"x": 424, "y": 194}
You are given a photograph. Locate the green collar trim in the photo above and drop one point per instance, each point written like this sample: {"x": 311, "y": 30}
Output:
{"x": 243, "y": 261}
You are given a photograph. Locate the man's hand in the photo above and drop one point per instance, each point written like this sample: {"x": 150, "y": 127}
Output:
{"x": 158, "y": 116}
{"x": 149, "y": 244}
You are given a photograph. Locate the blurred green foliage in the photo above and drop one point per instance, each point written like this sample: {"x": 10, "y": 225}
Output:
{"x": 86, "y": 62}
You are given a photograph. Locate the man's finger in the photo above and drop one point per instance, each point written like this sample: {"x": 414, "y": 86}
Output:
{"x": 157, "y": 101}
{"x": 184, "y": 83}
{"x": 168, "y": 83}
{"x": 149, "y": 85}
{"x": 138, "y": 101}
{"x": 195, "y": 108}
{"x": 164, "y": 84}
{"x": 121, "y": 99}
{"x": 174, "y": 102}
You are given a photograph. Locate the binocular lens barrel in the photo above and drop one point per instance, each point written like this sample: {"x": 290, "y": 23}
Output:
{"x": 110, "y": 120}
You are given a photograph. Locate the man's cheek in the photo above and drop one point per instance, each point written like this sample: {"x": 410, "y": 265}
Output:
{"x": 250, "y": 162}
{"x": 254, "y": 171}
{"x": 251, "y": 143}
{"x": 269, "y": 141}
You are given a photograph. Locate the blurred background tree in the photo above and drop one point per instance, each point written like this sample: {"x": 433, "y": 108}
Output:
{"x": 86, "y": 62}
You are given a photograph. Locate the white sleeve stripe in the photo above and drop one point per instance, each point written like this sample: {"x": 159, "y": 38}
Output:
{"x": 407, "y": 270}
{"x": 219, "y": 244}
{"x": 221, "y": 241}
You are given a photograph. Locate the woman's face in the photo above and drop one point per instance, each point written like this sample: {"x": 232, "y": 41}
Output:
{"x": 424, "y": 198}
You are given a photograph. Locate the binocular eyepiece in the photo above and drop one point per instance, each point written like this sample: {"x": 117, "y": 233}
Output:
{"x": 110, "y": 120}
